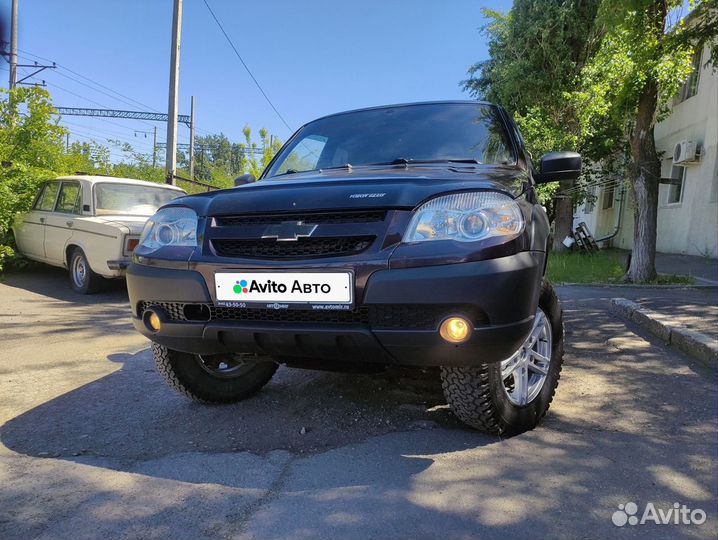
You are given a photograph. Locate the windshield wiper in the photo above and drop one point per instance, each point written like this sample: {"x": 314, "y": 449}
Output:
{"x": 347, "y": 166}
{"x": 288, "y": 171}
{"x": 405, "y": 161}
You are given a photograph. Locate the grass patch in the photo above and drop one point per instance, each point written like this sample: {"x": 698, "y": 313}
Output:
{"x": 674, "y": 279}
{"x": 572, "y": 267}
{"x": 606, "y": 266}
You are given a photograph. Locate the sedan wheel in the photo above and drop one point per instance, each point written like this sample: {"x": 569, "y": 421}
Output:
{"x": 82, "y": 278}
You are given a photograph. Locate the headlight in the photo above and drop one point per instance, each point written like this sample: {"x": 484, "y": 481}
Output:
{"x": 170, "y": 227}
{"x": 466, "y": 217}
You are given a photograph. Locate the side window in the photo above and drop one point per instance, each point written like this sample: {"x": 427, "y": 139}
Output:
{"x": 69, "y": 200}
{"x": 609, "y": 195}
{"x": 46, "y": 201}
{"x": 590, "y": 204}
{"x": 674, "y": 192}
{"x": 690, "y": 86}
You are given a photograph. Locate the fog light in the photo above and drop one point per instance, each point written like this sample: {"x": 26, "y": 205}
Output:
{"x": 153, "y": 321}
{"x": 455, "y": 330}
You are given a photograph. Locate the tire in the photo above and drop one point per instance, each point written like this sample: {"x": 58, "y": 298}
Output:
{"x": 480, "y": 397}
{"x": 187, "y": 374}
{"x": 82, "y": 278}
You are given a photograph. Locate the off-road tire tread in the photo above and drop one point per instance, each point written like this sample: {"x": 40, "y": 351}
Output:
{"x": 163, "y": 363}
{"x": 467, "y": 391}
{"x": 164, "y": 367}
{"x": 467, "y": 388}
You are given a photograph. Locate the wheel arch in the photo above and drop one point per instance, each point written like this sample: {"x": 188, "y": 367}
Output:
{"x": 69, "y": 248}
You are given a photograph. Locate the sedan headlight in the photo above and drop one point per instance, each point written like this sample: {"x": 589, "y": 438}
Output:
{"x": 466, "y": 217}
{"x": 170, "y": 227}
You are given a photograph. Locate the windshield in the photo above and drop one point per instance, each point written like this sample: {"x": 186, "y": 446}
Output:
{"x": 442, "y": 132}
{"x": 130, "y": 199}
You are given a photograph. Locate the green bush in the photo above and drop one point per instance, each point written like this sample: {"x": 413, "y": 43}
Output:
{"x": 32, "y": 150}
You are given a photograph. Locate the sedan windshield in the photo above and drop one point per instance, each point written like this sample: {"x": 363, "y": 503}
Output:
{"x": 130, "y": 199}
{"x": 409, "y": 134}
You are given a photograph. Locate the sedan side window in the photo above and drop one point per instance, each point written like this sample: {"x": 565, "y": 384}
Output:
{"x": 69, "y": 200}
{"x": 46, "y": 201}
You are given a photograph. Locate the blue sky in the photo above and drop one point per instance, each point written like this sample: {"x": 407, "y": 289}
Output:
{"x": 312, "y": 58}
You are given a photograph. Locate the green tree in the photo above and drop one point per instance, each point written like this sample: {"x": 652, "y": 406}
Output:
{"x": 536, "y": 53}
{"x": 136, "y": 165}
{"x": 32, "y": 150}
{"x": 220, "y": 161}
{"x": 625, "y": 87}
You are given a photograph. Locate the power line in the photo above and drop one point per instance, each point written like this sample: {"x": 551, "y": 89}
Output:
{"x": 114, "y": 136}
{"x": 113, "y": 152}
{"x": 60, "y": 109}
{"x": 247, "y": 67}
{"x": 93, "y": 81}
{"x": 122, "y": 97}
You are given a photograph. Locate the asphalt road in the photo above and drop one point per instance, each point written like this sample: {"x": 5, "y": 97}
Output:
{"x": 93, "y": 444}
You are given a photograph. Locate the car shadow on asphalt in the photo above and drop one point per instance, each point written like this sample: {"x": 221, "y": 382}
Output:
{"x": 54, "y": 282}
{"x": 631, "y": 421}
{"x": 131, "y": 415}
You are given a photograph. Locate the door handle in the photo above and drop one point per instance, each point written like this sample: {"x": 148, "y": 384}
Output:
{"x": 42, "y": 220}
{"x": 68, "y": 223}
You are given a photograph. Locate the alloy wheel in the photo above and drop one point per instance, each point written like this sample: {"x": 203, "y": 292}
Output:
{"x": 524, "y": 374}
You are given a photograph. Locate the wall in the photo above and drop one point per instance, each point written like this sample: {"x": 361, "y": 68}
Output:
{"x": 690, "y": 226}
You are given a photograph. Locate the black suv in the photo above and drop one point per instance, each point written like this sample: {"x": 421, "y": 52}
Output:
{"x": 406, "y": 234}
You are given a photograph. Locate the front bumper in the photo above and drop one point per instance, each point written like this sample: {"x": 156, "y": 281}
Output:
{"x": 501, "y": 294}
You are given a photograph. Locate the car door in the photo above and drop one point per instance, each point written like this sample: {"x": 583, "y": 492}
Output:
{"x": 30, "y": 231}
{"x": 59, "y": 223}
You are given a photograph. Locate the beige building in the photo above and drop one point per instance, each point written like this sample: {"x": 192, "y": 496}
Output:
{"x": 687, "y": 140}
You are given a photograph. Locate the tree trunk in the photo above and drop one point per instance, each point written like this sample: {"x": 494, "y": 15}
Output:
{"x": 563, "y": 216}
{"x": 644, "y": 174}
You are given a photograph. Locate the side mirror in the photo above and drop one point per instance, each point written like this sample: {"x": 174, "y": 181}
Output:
{"x": 557, "y": 166}
{"x": 244, "y": 179}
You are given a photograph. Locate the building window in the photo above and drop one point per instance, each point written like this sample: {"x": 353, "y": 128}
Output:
{"x": 690, "y": 87}
{"x": 590, "y": 204}
{"x": 609, "y": 194}
{"x": 674, "y": 193}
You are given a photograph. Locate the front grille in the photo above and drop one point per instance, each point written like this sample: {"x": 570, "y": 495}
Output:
{"x": 312, "y": 218}
{"x": 379, "y": 316}
{"x": 301, "y": 248}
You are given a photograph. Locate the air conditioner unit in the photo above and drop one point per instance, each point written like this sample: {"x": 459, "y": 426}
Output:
{"x": 685, "y": 152}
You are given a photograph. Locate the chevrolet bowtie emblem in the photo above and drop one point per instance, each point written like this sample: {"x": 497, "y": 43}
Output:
{"x": 289, "y": 231}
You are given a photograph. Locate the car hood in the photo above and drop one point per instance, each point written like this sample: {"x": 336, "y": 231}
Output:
{"x": 396, "y": 187}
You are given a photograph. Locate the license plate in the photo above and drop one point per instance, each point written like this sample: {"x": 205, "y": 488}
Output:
{"x": 285, "y": 290}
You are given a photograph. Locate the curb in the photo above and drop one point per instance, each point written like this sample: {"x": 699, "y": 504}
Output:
{"x": 695, "y": 344}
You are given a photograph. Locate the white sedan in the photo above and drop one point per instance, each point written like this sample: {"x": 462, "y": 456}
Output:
{"x": 89, "y": 224}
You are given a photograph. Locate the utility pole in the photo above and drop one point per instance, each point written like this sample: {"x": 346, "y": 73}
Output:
{"x": 13, "y": 45}
{"x": 191, "y": 139}
{"x": 171, "y": 162}
{"x": 154, "y": 149}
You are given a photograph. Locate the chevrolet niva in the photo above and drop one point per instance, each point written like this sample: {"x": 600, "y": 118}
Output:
{"x": 406, "y": 234}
